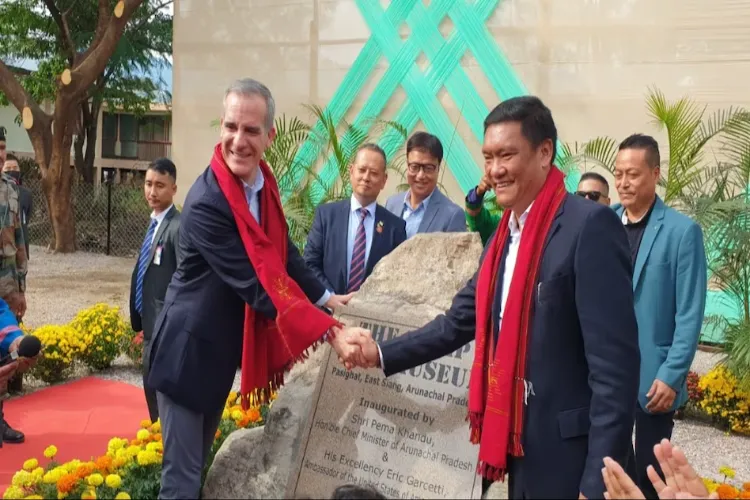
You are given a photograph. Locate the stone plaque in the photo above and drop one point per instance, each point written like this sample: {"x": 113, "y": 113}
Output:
{"x": 405, "y": 435}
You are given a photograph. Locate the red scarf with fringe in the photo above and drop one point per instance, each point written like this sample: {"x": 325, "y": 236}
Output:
{"x": 269, "y": 347}
{"x": 496, "y": 387}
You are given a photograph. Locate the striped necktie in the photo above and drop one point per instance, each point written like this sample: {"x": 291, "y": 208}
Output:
{"x": 357, "y": 267}
{"x": 143, "y": 265}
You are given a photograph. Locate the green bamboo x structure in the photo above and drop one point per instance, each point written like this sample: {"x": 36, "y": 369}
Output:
{"x": 421, "y": 88}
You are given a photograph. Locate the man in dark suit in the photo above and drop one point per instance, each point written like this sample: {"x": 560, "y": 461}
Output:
{"x": 424, "y": 208}
{"x": 241, "y": 292}
{"x": 554, "y": 296}
{"x": 157, "y": 261}
{"x": 349, "y": 237}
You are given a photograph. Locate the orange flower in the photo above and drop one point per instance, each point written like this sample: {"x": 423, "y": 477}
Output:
{"x": 156, "y": 437}
{"x": 727, "y": 491}
{"x": 745, "y": 494}
{"x": 746, "y": 486}
{"x": 104, "y": 464}
{"x": 218, "y": 433}
{"x": 84, "y": 470}
{"x": 253, "y": 414}
{"x": 67, "y": 482}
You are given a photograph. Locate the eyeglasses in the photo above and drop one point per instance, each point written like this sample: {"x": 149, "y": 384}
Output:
{"x": 414, "y": 168}
{"x": 591, "y": 195}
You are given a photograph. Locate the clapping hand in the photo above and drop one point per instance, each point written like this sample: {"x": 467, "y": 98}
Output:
{"x": 680, "y": 479}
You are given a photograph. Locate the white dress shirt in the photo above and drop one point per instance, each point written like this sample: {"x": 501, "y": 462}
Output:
{"x": 159, "y": 218}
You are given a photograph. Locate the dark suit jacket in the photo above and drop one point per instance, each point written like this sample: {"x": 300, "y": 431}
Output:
{"x": 326, "y": 249}
{"x": 157, "y": 277}
{"x": 199, "y": 333}
{"x": 583, "y": 357}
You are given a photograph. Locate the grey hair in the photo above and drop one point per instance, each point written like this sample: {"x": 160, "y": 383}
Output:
{"x": 249, "y": 87}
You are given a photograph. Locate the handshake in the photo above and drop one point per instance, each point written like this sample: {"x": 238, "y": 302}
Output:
{"x": 355, "y": 347}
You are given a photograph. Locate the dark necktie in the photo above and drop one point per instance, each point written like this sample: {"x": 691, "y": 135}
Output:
{"x": 143, "y": 265}
{"x": 357, "y": 268}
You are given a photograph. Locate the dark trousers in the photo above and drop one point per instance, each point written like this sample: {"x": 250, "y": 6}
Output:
{"x": 153, "y": 407}
{"x": 650, "y": 429}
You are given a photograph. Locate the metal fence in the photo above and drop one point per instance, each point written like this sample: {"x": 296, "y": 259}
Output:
{"x": 111, "y": 218}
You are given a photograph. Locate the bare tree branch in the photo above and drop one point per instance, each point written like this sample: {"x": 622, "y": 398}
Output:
{"x": 102, "y": 21}
{"x": 152, "y": 14}
{"x": 17, "y": 95}
{"x": 62, "y": 23}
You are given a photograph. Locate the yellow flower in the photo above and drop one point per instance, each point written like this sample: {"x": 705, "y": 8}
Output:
{"x": 95, "y": 479}
{"x": 50, "y": 452}
{"x": 237, "y": 415}
{"x": 36, "y": 497}
{"x": 145, "y": 424}
{"x": 142, "y": 434}
{"x": 113, "y": 481}
{"x": 13, "y": 492}
{"x": 122, "y": 496}
{"x": 727, "y": 471}
{"x": 30, "y": 464}
{"x": 225, "y": 414}
{"x": 156, "y": 427}
{"x": 89, "y": 495}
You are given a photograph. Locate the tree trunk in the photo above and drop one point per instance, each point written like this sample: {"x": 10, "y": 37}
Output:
{"x": 58, "y": 189}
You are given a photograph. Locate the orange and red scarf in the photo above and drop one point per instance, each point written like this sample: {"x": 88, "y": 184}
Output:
{"x": 497, "y": 384}
{"x": 270, "y": 347}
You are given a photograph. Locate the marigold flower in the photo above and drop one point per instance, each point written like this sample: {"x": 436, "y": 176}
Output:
{"x": 66, "y": 483}
{"x": 50, "y": 452}
{"x": 727, "y": 491}
{"x": 746, "y": 486}
{"x": 113, "y": 481}
{"x": 218, "y": 433}
{"x": 122, "y": 496}
{"x": 142, "y": 435}
{"x": 89, "y": 495}
{"x": 30, "y": 464}
{"x": 13, "y": 492}
{"x": 145, "y": 424}
{"x": 103, "y": 464}
{"x": 95, "y": 480}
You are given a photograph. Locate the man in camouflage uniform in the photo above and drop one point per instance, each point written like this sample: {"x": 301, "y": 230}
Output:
{"x": 13, "y": 265}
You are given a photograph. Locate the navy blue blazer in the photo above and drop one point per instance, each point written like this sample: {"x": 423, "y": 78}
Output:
{"x": 326, "y": 249}
{"x": 198, "y": 335}
{"x": 583, "y": 356}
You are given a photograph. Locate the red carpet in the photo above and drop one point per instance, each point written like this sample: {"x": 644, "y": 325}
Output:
{"x": 79, "y": 418}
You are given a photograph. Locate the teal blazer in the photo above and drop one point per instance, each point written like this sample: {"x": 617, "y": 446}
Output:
{"x": 669, "y": 282}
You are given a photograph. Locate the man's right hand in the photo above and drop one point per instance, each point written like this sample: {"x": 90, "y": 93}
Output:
{"x": 6, "y": 373}
{"x": 370, "y": 354}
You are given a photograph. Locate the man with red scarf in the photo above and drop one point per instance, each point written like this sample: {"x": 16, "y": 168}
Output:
{"x": 555, "y": 376}
{"x": 241, "y": 293}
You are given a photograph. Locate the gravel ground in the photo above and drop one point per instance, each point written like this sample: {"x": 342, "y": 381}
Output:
{"x": 61, "y": 285}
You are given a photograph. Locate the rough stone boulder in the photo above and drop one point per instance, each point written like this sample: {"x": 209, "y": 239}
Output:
{"x": 420, "y": 277}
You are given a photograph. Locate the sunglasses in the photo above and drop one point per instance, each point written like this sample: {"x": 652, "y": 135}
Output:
{"x": 591, "y": 195}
